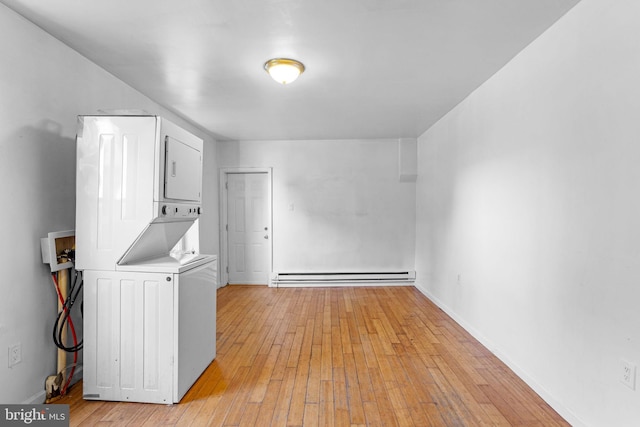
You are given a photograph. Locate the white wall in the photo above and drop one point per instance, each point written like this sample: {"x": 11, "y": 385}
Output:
{"x": 338, "y": 206}
{"x": 44, "y": 85}
{"x": 528, "y": 212}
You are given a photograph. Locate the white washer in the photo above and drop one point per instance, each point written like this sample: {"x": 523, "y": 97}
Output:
{"x": 149, "y": 332}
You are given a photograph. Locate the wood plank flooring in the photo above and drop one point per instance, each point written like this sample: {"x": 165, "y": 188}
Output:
{"x": 377, "y": 356}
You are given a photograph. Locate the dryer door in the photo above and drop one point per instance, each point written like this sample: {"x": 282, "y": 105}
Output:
{"x": 183, "y": 171}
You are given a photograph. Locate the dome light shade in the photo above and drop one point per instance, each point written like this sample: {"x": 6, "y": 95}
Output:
{"x": 284, "y": 70}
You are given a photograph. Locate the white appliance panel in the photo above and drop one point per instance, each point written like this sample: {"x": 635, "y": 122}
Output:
{"x": 129, "y": 336}
{"x": 187, "y": 144}
{"x": 183, "y": 171}
{"x": 196, "y": 327}
{"x": 148, "y": 335}
{"x": 114, "y": 186}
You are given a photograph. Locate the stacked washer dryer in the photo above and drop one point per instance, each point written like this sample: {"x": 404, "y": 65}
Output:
{"x": 149, "y": 308}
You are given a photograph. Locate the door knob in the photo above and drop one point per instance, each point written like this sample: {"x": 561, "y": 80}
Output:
{"x": 266, "y": 236}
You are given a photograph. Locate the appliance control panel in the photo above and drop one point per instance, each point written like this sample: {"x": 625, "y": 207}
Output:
{"x": 178, "y": 211}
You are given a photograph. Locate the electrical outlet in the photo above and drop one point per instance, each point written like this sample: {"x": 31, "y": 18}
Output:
{"x": 15, "y": 354}
{"x": 628, "y": 374}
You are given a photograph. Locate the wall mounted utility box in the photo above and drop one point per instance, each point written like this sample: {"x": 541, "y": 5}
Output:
{"x": 55, "y": 249}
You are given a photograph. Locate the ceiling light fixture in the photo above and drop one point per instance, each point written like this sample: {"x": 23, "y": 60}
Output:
{"x": 284, "y": 70}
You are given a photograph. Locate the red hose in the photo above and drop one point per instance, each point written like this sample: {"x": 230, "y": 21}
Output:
{"x": 73, "y": 333}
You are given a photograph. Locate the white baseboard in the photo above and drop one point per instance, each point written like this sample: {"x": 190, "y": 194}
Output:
{"x": 41, "y": 396}
{"x": 564, "y": 412}
{"x": 36, "y": 399}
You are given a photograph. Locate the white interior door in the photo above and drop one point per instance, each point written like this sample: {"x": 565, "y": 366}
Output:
{"x": 249, "y": 233}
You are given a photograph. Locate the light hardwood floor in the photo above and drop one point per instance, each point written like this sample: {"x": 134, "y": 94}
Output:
{"x": 376, "y": 356}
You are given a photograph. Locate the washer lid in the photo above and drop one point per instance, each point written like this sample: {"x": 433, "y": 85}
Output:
{"x": 155, "y": 241}
{"x": 169, "y": 264}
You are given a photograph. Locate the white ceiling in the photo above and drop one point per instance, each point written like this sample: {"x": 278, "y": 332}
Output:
{"x": 375, "y": 68}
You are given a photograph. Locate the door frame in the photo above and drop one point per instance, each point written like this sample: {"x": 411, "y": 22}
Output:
{"x": 224, "y": 236}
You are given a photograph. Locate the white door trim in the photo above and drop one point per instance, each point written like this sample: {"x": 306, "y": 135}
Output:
{"x": 224, "y": 238}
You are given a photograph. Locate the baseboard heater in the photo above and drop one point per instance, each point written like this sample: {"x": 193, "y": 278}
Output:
{"x": 344, "y": 279}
